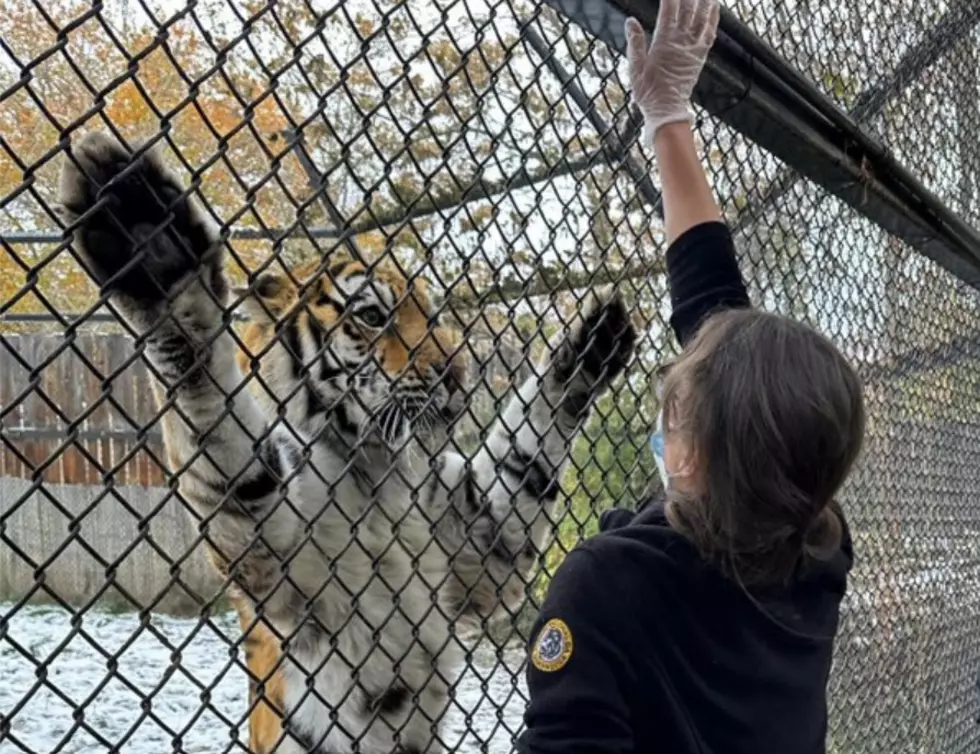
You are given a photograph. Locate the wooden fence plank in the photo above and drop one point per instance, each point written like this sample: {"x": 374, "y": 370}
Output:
{"x": 91, "y": 346}
{"x": 108, "y": 433}
{"x": 10, "y": 465}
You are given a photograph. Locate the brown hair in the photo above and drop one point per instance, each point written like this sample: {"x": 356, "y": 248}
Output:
{"x": 774, "y": 416}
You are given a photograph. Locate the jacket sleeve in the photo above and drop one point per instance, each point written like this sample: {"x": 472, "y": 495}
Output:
{"x": 703, "y": 277}
{"x": 615, "y": 518}
{"x": 578, "y": 673}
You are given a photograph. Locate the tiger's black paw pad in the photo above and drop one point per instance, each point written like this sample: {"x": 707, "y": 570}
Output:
{"x": 144, "y": 234}
{"x": 602, "y": 341}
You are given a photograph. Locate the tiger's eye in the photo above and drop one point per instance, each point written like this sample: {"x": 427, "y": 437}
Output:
{"x": 267, "y": 286}
{"x": 372, "y": 316}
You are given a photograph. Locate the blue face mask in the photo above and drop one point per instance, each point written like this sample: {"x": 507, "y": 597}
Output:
{"x": 657, "y": 446}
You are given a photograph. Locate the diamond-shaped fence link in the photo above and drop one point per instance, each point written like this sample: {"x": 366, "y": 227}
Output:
{"x": 399, "y": 395}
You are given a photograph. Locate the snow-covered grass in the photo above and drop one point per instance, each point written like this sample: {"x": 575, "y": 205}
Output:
{"x": 77, "y": 686}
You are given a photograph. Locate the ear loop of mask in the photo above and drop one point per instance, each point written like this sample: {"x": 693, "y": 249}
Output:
{"x": 657, "y": 438}
{"x": 657, "y": 445}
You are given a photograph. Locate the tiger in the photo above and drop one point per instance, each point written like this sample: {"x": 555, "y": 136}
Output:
{"x": 315, "y": 454}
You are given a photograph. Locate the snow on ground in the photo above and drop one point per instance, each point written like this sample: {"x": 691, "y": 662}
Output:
{"x": 195, "y": 690}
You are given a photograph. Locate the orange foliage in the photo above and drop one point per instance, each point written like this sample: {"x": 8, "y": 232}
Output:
{"x": 385, "y": 139}
{"x": 157, "y": 95}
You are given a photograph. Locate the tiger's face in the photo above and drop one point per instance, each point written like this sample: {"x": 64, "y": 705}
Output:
{"x": 361, "y": 346}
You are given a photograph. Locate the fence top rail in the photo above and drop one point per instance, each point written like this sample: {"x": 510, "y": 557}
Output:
{"x": 748, "y": 86}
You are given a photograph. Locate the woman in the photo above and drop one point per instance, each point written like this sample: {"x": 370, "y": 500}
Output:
{"x": 705, "y": 623}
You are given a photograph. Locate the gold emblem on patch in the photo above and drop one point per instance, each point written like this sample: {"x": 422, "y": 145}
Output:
{"x": 553, "y": 647}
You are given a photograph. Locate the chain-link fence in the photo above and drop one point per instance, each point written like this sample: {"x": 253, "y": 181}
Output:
{"x": 488, "y": 149}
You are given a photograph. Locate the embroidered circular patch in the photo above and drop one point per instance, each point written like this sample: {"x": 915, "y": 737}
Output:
{"x": 553, "y": 647}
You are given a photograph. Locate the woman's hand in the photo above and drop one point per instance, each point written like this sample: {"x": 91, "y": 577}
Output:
{"x": 663, "y": 75}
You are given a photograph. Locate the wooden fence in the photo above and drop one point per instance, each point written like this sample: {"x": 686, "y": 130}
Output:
{"x": 78, "y": 411}
{"x": 84, "y": 497}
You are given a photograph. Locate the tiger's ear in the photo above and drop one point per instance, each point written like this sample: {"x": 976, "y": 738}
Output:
{"x": 266, "y": 299}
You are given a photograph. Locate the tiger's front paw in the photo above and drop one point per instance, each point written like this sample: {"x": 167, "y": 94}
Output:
{"x": 596, "y": 348}
{"x": 138, "y": 232}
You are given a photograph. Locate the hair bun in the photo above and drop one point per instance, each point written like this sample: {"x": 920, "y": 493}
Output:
{"x": 824, "y": 534}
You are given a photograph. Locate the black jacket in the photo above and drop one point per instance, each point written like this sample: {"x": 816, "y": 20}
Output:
{"x": 643, "y": 647}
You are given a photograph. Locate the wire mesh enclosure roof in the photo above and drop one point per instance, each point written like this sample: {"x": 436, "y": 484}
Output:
{"x": 490, "y": 150}
{"x": 904, "y": 71}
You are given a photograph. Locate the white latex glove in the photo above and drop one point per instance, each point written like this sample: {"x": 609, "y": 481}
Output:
{"x": 663, "y": 75}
